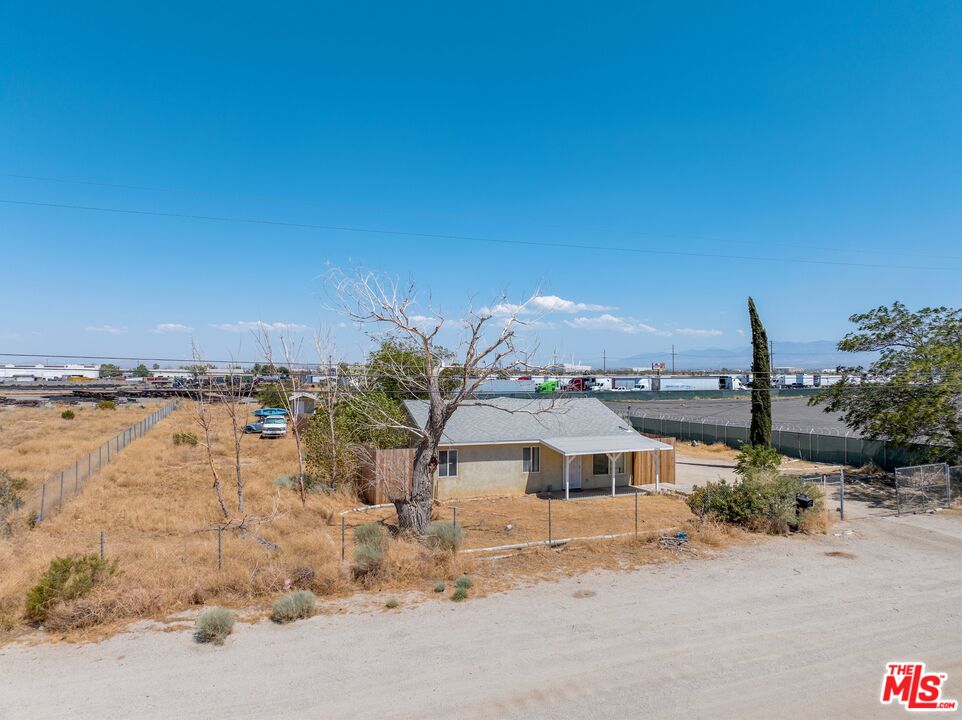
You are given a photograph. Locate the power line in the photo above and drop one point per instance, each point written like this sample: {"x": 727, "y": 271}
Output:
{"x": 464, "y": 238}
{"x": 664, "y": 236}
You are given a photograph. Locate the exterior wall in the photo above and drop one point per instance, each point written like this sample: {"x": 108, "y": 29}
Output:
{"x": 49, "y": 372}
{"x": 495, "y": 470}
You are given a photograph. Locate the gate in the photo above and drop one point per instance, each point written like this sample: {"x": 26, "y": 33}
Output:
{"x": 857, "y": 495}
{"x": 921, "y": 488}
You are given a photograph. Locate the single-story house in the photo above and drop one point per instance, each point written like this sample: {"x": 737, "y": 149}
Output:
{"x": 507, "y": 446}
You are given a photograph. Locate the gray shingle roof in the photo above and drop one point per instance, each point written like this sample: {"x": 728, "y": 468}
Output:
{"x": 519, "y": 420}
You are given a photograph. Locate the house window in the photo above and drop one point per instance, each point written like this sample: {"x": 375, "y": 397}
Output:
{"x": 531, "y": 459}
{"x": 620, "y": 464}
{"x": 448, "y": 463}
{"x": 599, "y": 464}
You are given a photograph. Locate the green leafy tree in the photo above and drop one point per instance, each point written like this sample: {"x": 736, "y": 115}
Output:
{"x": 760, "y": 432}
{"x": 273, "y": 396}
{"x": 156, "y": 366}
{"x": 109, "y": 370}
{"x": 913, "y": 392}
{"x": 198, "y": 369}
{"x": 140, "y": 371}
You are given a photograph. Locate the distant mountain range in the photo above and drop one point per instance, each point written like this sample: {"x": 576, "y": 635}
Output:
{"x": 816, "y": 355}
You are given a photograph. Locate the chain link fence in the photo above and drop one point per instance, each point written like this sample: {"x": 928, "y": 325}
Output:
{"x": 65, "y": 483}
{"x": 816, "y": 444}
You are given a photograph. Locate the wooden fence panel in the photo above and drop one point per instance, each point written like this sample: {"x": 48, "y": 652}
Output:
{"x": 386, "y": 474}
{"x": 643, "y": 468}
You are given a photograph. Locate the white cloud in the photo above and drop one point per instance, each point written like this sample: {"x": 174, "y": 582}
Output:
{"x": 545, "y": 304}
{"x": 606, "y": 321}
{"x": 423, "y": 321}
{"x": 741, "y": 332}
{"x": 553, "y": 303}
{"x": 109, "y": 329}
{"x": 695, "y": 332}
{"x": 260, "y": 326}
{"x": 171, "y": 328}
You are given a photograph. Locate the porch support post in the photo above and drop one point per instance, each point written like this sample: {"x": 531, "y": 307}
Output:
{"x": 611, "y": 469}
{"x": 657, "y": 470}
{"x": 566, "y": 476}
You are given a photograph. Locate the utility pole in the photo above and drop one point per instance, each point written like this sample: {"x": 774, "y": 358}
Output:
{"x": 604, "y": 361}
{"x": 672, "y": 358}
{"x": 771, "y": 359}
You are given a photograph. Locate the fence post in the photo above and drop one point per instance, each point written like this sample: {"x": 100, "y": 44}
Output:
{"x": 948, "y": 485}
{"x": 841, "y": 494}
{"x": 61, "y": 488}
{"x": 220, "y": 532}
{"x": 549, "y": 521}
{"x": 898, "y": 495}
{"x": 101, "y": 544}
{"x": 454, "y": 519}
{"x": 636, "y": 513}
{"x": 343, "y": 523}
{"x": 43, "y": 498}
{"x": 76, "y": 472}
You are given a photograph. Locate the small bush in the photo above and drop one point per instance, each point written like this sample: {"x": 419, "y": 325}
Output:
{"x": 371, "y": 542}
{"x": 293, "y": 606}
{"x": 439, "y": 587}
{"x": 464, "y": 582}
{"x": 106, "y": 405}
{"x": 68, "y": 415}
{"x": 67, "y": 578}
{"x": 184, "y": 438}
{"x": 763, "y": 502}
{"x": 213, "y": 626}
{"x": 445, "y": 536}
{"x": 10, "y": 488}
{"x": 459, "y": 594}
{"x": 392, "y": 603}
{"x": 754, "y": 458}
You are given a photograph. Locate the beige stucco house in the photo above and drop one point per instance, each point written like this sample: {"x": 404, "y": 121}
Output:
{"x": 507, "y": 446}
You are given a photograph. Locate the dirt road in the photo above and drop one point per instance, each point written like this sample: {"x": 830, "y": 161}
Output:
{"x": 779, "y": 628}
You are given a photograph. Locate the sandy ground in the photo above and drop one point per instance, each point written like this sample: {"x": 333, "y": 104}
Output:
{"x": 787, "y": 626}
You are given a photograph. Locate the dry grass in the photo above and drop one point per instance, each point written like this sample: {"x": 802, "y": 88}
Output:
{"x": 36, "y": 442}
{"x": 156, "y": 505}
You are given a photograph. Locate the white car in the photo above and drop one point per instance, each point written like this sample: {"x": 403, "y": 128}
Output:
{"x": 274, "y": 427}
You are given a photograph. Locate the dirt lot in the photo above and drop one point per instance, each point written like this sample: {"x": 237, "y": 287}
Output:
{"x": 36, "y": 442}
{"x": 799, "y": 626}
{"x": 504, "y": 521}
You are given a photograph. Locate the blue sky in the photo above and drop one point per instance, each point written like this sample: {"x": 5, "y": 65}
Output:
{"x": 719, "y": 132}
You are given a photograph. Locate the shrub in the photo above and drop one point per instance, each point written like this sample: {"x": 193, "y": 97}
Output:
{"x": 445, "y": 536}
{"x": 763, "y": 502}
{"x": 370, "y": 545}
{"x": 439, "y": 587}
{"x": 392, "y": 603}
{"x": 293, "y": 606}
{"x": 184, "y": 438}
{"x": 459, "y": 594}
{"x": 106, "y": 405}
{"x": 464, "y": 582}
{"x": 213, "y": 626}
{"x": 68, "y": 415}
{"x": 67, "y": 578}
{"x": 10, "y": 488}
{"x": 754, "y": 458}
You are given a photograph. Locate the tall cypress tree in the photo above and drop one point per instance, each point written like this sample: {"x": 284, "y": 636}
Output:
{"x": 761, "y": 429}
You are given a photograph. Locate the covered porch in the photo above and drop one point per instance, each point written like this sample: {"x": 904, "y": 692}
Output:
{"x": 618, "y": 448}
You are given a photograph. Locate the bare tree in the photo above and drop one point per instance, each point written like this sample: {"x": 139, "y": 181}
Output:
{"x": 290, "y": 349}
{"x": 488, "y": 342}
{"x": 203, "y": 417}
{"x": 330, "y": 396}
{"x": 234, "y": 395}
